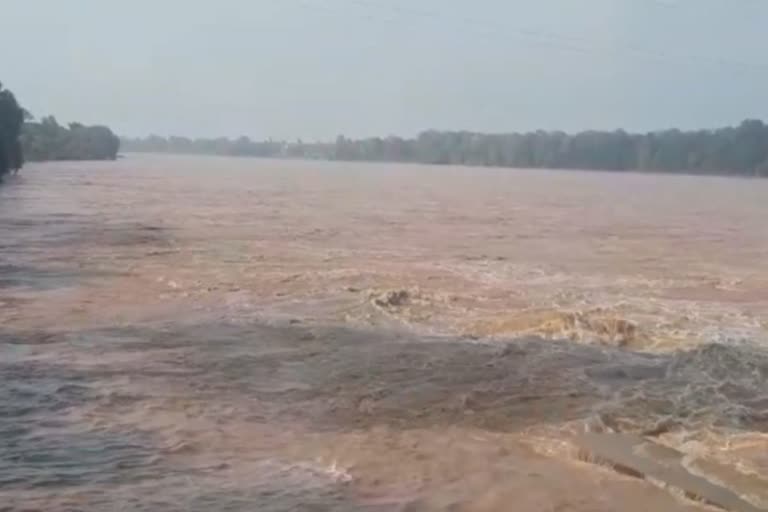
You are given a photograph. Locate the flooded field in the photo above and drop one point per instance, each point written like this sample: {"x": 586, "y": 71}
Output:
{"x": 189, "y": 334}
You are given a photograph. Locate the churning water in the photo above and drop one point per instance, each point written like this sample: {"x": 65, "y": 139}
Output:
{"x": 224, "y": 334}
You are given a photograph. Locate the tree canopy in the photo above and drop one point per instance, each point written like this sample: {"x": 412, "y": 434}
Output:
{"x": 22, "y": 139}
{"x": 48, "y": 140}
{"x": 741, "y": 150}
{"x": 11, "y": 122}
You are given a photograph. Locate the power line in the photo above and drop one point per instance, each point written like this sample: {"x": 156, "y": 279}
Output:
{"x": 487, "y": 35}
{"x": 570, "y": 42}
{"x": 549, "y": 39}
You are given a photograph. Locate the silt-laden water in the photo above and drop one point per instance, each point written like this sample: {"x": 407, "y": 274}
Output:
{"x": 223, "y": 334}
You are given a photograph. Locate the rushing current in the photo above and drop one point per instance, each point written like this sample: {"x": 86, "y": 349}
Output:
{"x": 212, "y": 334}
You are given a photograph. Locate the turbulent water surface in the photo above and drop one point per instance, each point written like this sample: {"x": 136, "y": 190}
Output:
{"x": 221, "y": 334}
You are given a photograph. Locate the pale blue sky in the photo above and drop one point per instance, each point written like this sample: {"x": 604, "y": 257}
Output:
{"x": 317, "y": 68}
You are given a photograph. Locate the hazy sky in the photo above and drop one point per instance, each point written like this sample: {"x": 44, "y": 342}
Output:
{"x": 317, "y": 68}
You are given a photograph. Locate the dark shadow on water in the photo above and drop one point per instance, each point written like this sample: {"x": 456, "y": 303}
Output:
{"x": 40, "y": 448}
{"x": 38, "y": 279}
{"x": 339, "y": 379}
{"x": 344, "y": 379}
{"x": 33, "y": 247}
{"x": 77, "y": 232}
{"x": 63, "y": 458}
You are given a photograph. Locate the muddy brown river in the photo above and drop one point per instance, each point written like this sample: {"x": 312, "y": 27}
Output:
{"x": 212, "y": 334}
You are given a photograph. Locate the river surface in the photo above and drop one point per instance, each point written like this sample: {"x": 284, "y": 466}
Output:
{"x": 212, "y": 334}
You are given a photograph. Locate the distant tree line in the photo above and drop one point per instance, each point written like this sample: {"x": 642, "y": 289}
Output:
{"x": 242, "y": 146}
{"x": 741, "y": 150}
{"x": 11, "y": 122}
{"x": 23, "y": 139}
{"x": 48, "y": 140}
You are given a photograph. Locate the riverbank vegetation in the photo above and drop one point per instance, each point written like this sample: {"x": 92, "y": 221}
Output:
{"x": 11, "y": 123}
{"x": 740, "y": 150}
{"x": 22, "y": 139}
{"x": 48, "y": 140}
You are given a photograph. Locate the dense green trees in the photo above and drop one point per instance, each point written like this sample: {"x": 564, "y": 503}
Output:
{"x": 48, "y": 140}
{"x": 242, "y": 146}
{"x": 742, "y": 150}
{"x": 11, "y": 121}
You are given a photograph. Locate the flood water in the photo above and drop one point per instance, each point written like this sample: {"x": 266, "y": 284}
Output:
{"x": 197, "y": 334}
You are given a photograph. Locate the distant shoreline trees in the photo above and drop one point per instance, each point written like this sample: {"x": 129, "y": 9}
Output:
{"x": 11, "y": 122}
{"x": 740, "y": 150}
{"x": 48, "y": 140}
{"x": 22, "y": 139}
